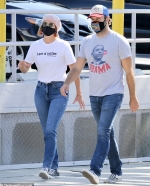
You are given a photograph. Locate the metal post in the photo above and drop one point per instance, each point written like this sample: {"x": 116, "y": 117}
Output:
{"x": 76, "y": 34}
{"x": 0, "y": 139}
{"x": 13, "y": 36}
{"x": 118, "y": 19}
{"x": 2, "y": 39}
{"x": 133, "y": 35}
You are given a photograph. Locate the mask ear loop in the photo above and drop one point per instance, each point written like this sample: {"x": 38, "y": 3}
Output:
{"x": 55, "y": 34}
{"x": 40, "y": 33}
{"x": 105, "y": 23}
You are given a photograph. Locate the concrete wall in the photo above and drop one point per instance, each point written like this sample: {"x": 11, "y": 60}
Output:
{"x": 22, "y": 139}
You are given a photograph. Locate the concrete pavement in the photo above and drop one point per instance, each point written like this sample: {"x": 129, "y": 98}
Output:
{"x": 134, "y": 174}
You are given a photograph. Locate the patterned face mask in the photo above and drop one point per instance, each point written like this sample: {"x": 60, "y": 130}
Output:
{"x": 98, "y": 26}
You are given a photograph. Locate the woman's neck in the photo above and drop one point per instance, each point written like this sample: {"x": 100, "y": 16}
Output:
{"x": 49, "y": 39}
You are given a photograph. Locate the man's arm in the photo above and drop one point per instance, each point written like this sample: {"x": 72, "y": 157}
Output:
{"x": 127, "y": 66}
{"x": 76, "y": 70}
{"x": 73, "y": 75}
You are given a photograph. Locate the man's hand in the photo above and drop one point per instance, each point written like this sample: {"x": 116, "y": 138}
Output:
{"x": 134, "y": 104}
{"x": 64, "y": 89}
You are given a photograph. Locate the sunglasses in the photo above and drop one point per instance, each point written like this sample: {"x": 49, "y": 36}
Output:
{"x": 51, "y": 25}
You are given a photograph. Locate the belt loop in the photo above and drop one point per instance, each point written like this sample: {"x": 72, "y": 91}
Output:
{"x": 39, "y": 82}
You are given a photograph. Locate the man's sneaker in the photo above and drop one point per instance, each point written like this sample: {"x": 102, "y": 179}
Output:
{"x": 113, "y": 179}
{"x": 91, "y": 176}
{"x": 53, "y": 172}
{"x": 44, "y": 174}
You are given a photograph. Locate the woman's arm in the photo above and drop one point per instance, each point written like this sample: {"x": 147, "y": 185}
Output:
{"x": 78, "y": 97}
{"x": 24, "y": 66}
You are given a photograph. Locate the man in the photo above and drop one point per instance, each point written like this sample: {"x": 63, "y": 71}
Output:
{"x": 106, "y": 90}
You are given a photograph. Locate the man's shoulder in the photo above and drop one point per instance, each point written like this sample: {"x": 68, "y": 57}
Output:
{"x": 88, "y": 38}
{"x": 118, "y": 35}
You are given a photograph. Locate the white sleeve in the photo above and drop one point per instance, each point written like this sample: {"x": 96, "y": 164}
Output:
{"x": 69, "y": 56}
{"x": 30, "y": 55}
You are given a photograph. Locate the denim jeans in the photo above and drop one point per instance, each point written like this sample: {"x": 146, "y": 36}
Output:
{"x": 105, "y": 110}
{"x": 50, "y": 105}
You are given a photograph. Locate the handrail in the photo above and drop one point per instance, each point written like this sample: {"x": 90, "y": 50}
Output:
{"x": 15, "y": 43}
{"x": 21, "y": 11}
{"x": 27, "y": 43}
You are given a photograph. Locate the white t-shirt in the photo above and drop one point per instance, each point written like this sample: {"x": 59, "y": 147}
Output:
{"x": 104, "y": 57}
{"x": 51, "y": 59}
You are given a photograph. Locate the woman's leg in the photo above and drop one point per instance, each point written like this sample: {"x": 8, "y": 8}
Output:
{"x": 56, "y": 110}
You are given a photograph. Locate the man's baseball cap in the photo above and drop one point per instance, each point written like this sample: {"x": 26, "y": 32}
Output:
{"x": 99, "y": 11}
{"x": 54, "y": 19}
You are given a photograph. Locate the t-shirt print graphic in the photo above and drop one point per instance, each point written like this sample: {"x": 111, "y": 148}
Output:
{"x": 49, "y": 54}
{"x": 98, "y": 65}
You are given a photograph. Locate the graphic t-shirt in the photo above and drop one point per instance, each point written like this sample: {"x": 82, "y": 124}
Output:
{"x": 104, "y": 57}
{"x": 51, "y": 59}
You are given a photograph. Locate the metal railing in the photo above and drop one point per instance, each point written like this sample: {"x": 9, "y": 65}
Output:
{"x": 14, "y": 43}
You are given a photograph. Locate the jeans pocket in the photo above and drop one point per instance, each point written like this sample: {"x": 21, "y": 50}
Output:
{"x": 57, "y": 84}
{"x": 112, "y": 101}
{"x": 120, "y": 98}
{"x": 38, "y": 84}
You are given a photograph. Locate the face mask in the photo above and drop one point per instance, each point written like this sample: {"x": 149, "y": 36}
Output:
{"x": 98, "y": 26}
{"x": 47, "y": 31}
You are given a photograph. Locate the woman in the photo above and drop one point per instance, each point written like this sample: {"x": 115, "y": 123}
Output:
{"x": 51, "y": 56}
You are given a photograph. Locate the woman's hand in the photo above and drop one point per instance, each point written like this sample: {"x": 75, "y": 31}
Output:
{"x": 24, "y": 66}
{"x": 80, "y": 100}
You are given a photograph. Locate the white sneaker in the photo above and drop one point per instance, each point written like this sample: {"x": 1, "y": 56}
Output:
{"x": 91, "y": 176}
{"x": 53, "y": 172}
{"x": 44, "y": 174}
{"x": 113, "y": 179}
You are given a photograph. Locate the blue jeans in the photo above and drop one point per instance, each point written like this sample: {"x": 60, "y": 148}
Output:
{"x": 105, "y": 110}
{"x": 50, "y": 105}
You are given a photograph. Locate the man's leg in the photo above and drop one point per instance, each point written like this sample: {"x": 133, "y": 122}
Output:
{"x": 93, "y": 175}
{"x": 114, "y": 160}
{"x": 113, "y": 156}
{"x": 109, "y": 106}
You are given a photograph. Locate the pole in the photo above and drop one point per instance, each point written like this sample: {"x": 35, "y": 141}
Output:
{"x": 118, "y": 19}
{"x": 2, "y": 39}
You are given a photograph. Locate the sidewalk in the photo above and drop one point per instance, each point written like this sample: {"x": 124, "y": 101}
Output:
{"x": 134, "y": 174}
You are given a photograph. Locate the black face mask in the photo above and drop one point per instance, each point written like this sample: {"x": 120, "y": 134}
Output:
{"x": 47, "y": 31}
{"x": 98, "y": 26}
